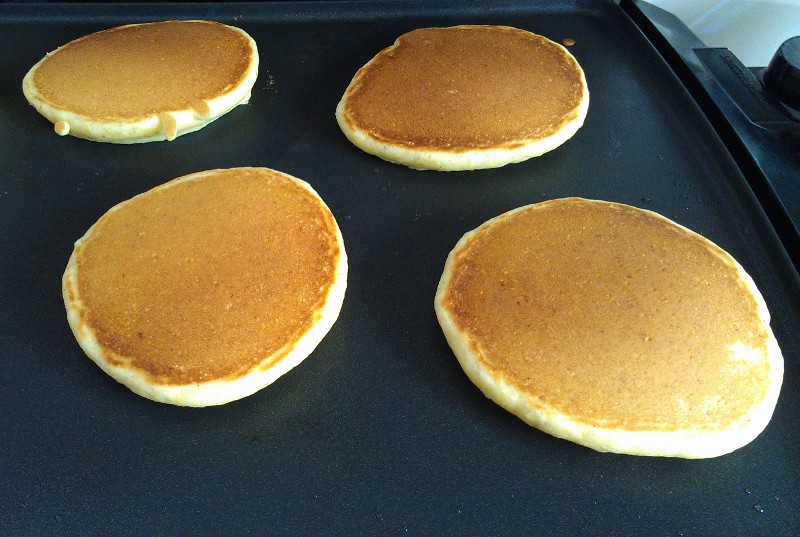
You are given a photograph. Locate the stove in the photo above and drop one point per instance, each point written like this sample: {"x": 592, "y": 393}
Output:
{"x": 379, "y": 431}
{"x": 756, "y": 111}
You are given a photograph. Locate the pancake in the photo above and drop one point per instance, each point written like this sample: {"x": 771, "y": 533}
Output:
{"x": 207, "y": 288}
{"x": 144, "y": 82}
{"x": 612, "y": 327}
{"x": 464, "y": 98}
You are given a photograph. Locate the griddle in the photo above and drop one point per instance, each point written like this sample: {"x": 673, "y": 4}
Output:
{"x": 378, "y": 432}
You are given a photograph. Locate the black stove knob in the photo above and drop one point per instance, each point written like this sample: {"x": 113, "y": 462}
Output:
{"x": 782, "y": 75}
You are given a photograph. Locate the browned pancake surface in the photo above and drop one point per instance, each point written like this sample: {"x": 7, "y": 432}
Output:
{"x": 202, "y": 279}
{"x": 608, "y": 315}
{"x": 135, "y": 71}
{"x": 467, "y": 87}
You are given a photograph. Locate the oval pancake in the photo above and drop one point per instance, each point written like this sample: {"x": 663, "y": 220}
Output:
{"x": 465, "y": 97}
{"x": 207, "y": 288}
{"x": 144, "y": 82}
{"x": 612, "y": 327}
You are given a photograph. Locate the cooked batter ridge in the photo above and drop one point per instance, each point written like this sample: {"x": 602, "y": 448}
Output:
{"x": 207, "y": 288}
{"x": 612, "y": 327}
{"x": 144, "y": 82}
{"x": 465, "y": 97}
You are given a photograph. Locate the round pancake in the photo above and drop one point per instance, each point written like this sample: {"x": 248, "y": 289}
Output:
{"x": 612, "y": 327}
{"x": 209, "y": 287}
{"x": 144, "y": 82}
{"x": 465, "y": 97}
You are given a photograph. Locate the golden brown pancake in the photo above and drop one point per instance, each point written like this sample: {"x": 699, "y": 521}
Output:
{"x": 209, "y": 287}
{"x": 612, "y": 327}
{"x": 144, "y": 82}
{"x": 465, "y": 97}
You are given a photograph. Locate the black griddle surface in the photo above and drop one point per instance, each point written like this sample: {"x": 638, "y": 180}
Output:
{"x": 378, "y": 431}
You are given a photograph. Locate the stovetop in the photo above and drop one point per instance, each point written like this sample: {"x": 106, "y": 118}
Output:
{"x": 761, "y": 130}
{"x": 379, "y": 432}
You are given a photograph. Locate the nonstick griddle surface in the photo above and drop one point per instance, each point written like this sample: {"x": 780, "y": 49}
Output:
{"x": 378, "y": 432}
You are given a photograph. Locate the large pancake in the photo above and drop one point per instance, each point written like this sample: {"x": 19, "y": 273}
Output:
{"x": 209, "y": 287}
{"x": 612, "y": 327}
{"x": 465, "y": 97}
{"x": 144, "y": 82}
